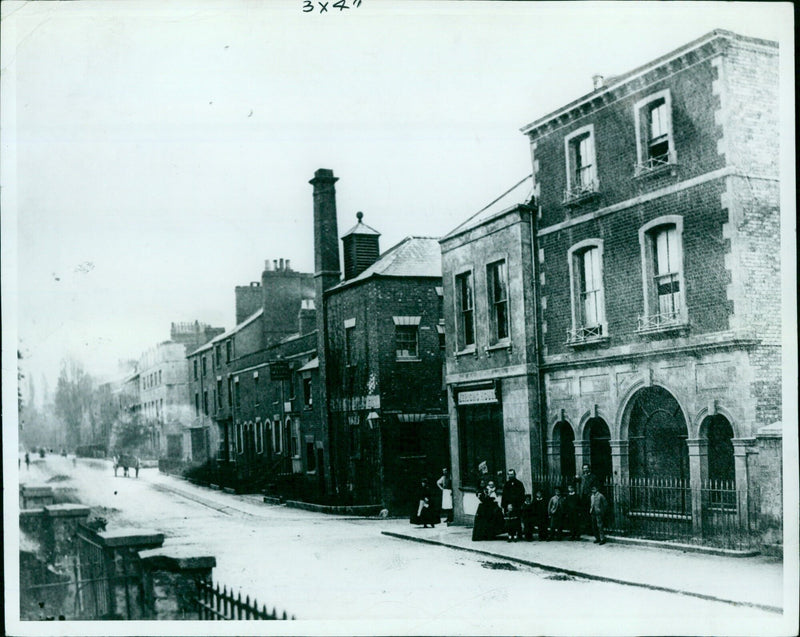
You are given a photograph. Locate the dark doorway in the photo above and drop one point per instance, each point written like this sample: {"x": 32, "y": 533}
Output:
{"x": 566, "y": 448}
{"x": 720, "y": 449}
{"x": 321, "y": 471}
{"x": 657, "y": 436}
{"x": 599, "y": 448}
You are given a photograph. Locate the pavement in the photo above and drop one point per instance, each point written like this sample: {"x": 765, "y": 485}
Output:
{"x": 749, "y": 581}
{"x": 756, "y": 582}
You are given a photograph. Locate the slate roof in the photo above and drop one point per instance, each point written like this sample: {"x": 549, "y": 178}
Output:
{"x": 412, "y": 257}
{"x": 229, "y": 332}
{"x": 521, "y": 193}
{"x": 361, "y": 228}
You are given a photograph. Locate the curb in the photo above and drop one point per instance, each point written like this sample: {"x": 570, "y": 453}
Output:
{"x": 589, "y": 576}
{"x": 686, "y": 548}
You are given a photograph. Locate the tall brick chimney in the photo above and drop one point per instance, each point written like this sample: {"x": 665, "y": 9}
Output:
{"x": 326, "y": 235}
{"x": 326, "y": 275}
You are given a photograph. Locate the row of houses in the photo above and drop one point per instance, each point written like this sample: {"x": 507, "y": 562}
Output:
{"x": 620, "y": 307}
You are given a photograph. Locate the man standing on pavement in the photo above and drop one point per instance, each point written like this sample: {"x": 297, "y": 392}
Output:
{"x": 585, "y": 482}
{"x": 597, "y": 510}
{"x": 513, "y": 492}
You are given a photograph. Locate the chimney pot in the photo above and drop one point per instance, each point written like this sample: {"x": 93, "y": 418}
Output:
{"x": 274, "y": 264}
{"x": 288, "y": 269}
{"x": 597, "y": 81}
{"x": 266, "y": 264}
{"x": 281, "y": 264}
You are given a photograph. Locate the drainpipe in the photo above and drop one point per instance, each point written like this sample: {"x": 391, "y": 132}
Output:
{"x": 533, "y": 209}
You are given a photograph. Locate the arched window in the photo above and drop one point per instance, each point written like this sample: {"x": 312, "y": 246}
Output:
{"x": 565, "y": 437}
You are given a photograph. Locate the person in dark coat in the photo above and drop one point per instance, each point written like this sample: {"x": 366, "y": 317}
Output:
{"x": 527, "y": 517}
{"x": 513, "y": 492}
{"x": 513, "y": 523}
{"x": 584, "y": 483}
{"x": 489, "y": 520}
{"x": 598, "y": 506}
{"x": 424, "y": 514}
{"x": 571, "y": 513}
{"x": 540, "y": 514}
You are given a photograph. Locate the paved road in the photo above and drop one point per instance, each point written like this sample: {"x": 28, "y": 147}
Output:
{"x": 329, "y": 568}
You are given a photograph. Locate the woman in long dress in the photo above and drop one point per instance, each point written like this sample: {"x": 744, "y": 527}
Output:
{"x": 425, "y": 513}
{"x": 489, "y": 521}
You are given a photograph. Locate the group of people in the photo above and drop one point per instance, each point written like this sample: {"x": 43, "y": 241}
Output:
{"x": 518, "y": 515}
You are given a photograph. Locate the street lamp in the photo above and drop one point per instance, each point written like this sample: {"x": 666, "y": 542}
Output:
{"x": 372, "y": 419}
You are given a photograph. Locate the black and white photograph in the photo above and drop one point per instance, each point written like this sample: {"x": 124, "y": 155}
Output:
{"x": 399, "y": 317}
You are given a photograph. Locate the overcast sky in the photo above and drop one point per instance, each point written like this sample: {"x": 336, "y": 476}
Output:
{"x": 155, "y": 154}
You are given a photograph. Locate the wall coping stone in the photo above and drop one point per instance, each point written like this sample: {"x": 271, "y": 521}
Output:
{"x": 130, "y": 537}
{"x": 176, "y": 559}
{"x": 31, "y": 513}
{"x": 29, "y": 490}
{"x": 67, "y": 510}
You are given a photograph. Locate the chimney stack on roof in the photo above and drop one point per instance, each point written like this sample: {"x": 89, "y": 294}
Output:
{"x": 598, "y": 81}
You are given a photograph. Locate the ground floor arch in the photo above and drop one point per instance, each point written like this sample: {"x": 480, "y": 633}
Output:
{"x": 564, "y": 439}
{"x": 598, "y": 435}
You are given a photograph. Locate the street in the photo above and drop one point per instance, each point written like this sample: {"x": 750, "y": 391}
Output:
{"x": 332, "y": 568}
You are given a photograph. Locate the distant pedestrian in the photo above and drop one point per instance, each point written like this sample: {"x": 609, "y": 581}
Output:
{"x": 27, "y": 461}
{"x": 445, "y": 484}
{"x": 585, "y": 481}
{"x": 512, "y": 522}
{"x": 125, "y": 465}
{"x": 424, "y": 513}
{"x": 513, "y": 492}
{"x": 571, "y": 513}
{"x": 540, "y": 514}
{"x": 136, "y": 466}
{"x": 597, "y": 509}
{"x": 555, "y": 511}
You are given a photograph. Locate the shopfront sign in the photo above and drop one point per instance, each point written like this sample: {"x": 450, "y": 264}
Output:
{"x": 477, "y": 397}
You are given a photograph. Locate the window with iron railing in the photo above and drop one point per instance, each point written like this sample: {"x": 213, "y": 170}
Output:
{"x": 663, "y": 270}
{"x": 581, "y": 165}
{"x": 588, "y": 300}
{"x": 654, "y": 142}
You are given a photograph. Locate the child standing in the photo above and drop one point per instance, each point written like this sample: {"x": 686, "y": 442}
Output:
{"x": 571, "y": 513}
{"x": 555, "y": 509}
{"x": 540, "y": 514}
{"x": 526, "y": 515}
{"x": 513, "y": 527}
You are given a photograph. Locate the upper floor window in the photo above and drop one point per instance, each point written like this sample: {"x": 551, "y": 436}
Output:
{"x": 307, "y": 399}
{"x": 237, "y": 395}
{"x": 581, "y": 164}
{"x": 497, "y": 287}
{"x": 654, "y": 143}
{"x": 219, "y": 393}
{"x": 662, "y": 267}
{"x": 465, "y": 309}
{"x": 406, "y": 337}
{"x": 204, "y": 365}
{"x": 217, "y": 355}
{"x": 205, "y": 403}
{"x": 196, "y": 403}
{"x": 349, "y": 342}
{"x": 586, "y": 287}
{"x": 228, "y": 351}
{"x": 195, "y": 368}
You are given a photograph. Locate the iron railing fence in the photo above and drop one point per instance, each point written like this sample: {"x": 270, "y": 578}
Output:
{"x": 216, "y": 604}
{"x": 713, "y": 513}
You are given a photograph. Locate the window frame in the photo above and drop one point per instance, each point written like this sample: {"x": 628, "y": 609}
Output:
{"x": 462, "y": 346}
{"x": 495, "y": 340}
{"x": 581, "y": 332}
{"x": 652, "y": 320}
{"x": 574, "y": 191}
{"x": 349, "y": 342}
{"x": 642, "y": 121}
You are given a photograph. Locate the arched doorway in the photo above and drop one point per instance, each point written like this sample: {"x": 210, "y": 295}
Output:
{"x": 565, "y": 437}
{"x": 599, "y": 437}
{"x": 721, "y": 465}
{"x": 657, "y": 436}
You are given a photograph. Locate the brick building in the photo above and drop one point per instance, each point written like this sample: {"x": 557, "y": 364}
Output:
{"x": 657, "y": 273}
{"x": 381, "y": 326}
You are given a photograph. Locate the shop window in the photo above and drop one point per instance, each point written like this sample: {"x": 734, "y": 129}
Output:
{"x": 465, "y": 309}
{"x": 480, "y": 438}
{"x": 497, "y": 288}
